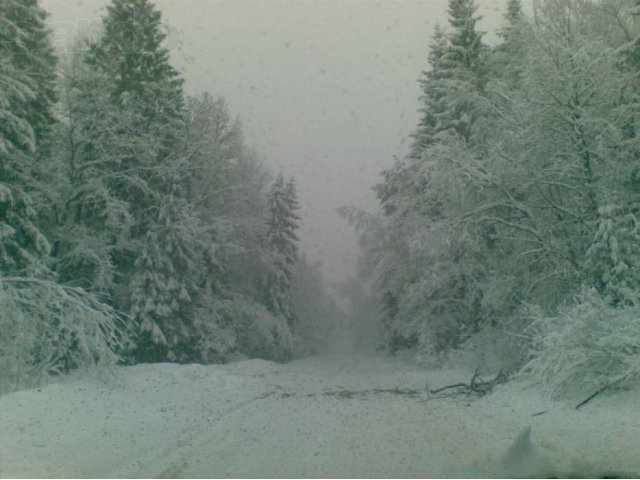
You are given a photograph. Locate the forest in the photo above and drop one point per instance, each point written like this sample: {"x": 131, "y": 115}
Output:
{"x": 137, "y": 225}
{"x": 508, "y": 238}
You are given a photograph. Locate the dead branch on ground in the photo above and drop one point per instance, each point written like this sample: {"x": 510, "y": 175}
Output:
{"x": 600, "y": 390}
{"x": 477, "y": 386}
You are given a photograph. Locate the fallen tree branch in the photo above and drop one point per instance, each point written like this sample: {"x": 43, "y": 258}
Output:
{"x": 344, "y": 393}
{"x": 455, "y": 385}
{"x": 476, "y": 386}
{"x": 599, "y": 391}
{"x": 537, "y": 414}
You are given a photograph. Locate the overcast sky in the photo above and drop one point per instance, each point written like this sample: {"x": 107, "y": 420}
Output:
{"x": 326, "y": 89}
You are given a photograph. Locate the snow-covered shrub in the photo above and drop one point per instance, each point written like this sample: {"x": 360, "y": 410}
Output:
{"x": 492, "y": 349}
{"x": 261, "y": 334}
{"x": 587, "y": 345}
{"x": 48, "y": 329}
{"x": 499, "y": 341}
{"x": 215, "y": 338}
{"x": 613, "y": 258}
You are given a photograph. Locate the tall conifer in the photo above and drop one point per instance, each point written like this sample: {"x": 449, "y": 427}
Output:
{"x": 27, "y": 76}
{"x": 282, "y": 241}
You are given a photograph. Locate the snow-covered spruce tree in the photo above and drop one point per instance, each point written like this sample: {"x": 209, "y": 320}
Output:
{"x": 44, "y": 327}
{"x": 282, "y": 241}
{"x": 181, "y": 293}
{"x": 131, "y": 51}
{"x": 27, "y": 74}
{"x": 167, "y": 283}
{"x": 464, "y": 66}
{"x": 614, "y": 258}
{"x": 147, "y": 92}
{"x": 506, "y": 59}
{"x": 432, "y": 95}
{"x": 451, "y": 89}
{"x": 282, "y": 244}
{"x": 398, "y": 195}
{"x": 432, "y": 266}
{"x": 179, "y": 290}
{"x": 513, "y": 16}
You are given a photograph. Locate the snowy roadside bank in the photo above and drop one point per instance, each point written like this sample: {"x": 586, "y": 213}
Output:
{"x": 322, "y": 416}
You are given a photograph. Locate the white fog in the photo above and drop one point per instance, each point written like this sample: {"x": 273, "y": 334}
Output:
{"x": 319, "y": 238}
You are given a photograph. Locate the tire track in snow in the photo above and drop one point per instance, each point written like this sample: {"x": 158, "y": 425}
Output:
{"x": 160, "y": 465}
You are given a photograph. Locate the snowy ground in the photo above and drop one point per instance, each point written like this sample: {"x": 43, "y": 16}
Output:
{"x": 318, "y": 417}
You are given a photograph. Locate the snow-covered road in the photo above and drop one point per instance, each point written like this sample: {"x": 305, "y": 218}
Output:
{"x": 331, "y": 416}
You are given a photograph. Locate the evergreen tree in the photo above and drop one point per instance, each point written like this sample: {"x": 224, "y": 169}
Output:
{"x": 291, "y": 199}
{"x": 149, "y": 175}
{"x": 466, "y": 41}
{"x": 147, "y": 91}
{"x": 131, "y": 51}
{"x": 613, "y": 258}
{"x": 45, "y": 327}
{"x": 432, "y": 95}
{"x": 178, "y": 286}
{"x": 507, "y": 58}
{"x": 27, "y": 75}
{"x": 513, "y": 15}
{"x": 168, "y": 281}
{"x": 282, "y": 241}
{"x": 430, "y": 263}
{"x": 464, "y": 67}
